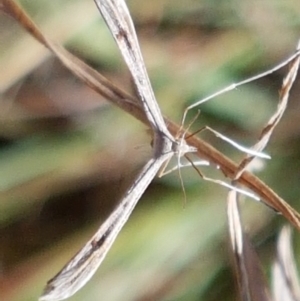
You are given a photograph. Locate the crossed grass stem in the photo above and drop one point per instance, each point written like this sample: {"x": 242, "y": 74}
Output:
{"x": 130, "y": 104}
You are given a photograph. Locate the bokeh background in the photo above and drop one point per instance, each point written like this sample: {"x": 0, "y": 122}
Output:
{"x": 67, "y": 155}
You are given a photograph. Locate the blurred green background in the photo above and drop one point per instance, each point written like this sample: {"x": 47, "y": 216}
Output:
{"x": 67, "y": 155}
